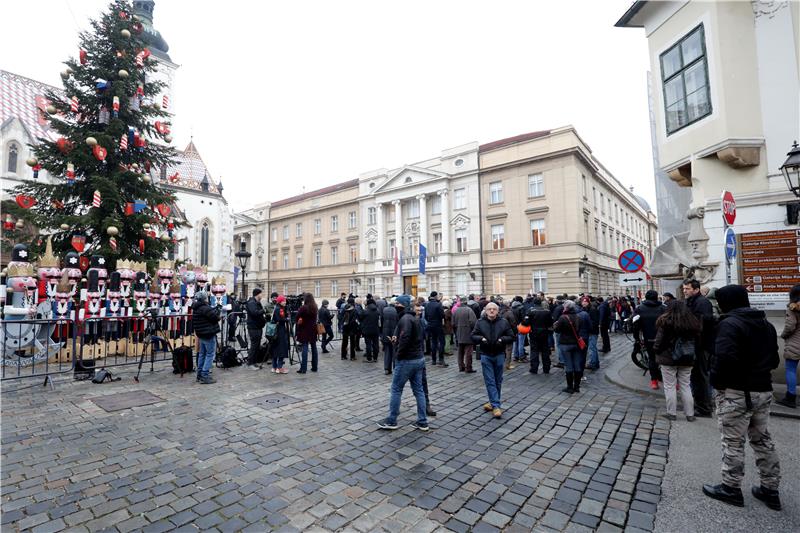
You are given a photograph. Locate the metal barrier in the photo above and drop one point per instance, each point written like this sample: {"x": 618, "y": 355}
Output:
{"x": 36, "y": 348}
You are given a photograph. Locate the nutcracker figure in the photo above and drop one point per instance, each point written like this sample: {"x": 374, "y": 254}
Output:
{"x": 112, "y": 325}
{"x": 72, "y": 267}
{"x": 201, "y": 275}
{"x": 20, "y": 304}
{"x": 165, "y": 273}
{"x": 93, "y": 311}
{"x": 175, "y": 310}
{"x": 98, "y": 264}
{"x": 49, "y": 273}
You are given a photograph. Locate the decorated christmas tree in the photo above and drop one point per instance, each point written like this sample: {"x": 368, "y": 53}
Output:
{"x": 113, "y": 132}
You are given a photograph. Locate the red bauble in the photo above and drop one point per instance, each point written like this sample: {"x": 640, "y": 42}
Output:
{"x": 99, "y": 152}
{"x": 141, "y": 246}
{"x": 64, "y": 146}
{"x": 25, "y": 202}
{"x": 164, "y": 210}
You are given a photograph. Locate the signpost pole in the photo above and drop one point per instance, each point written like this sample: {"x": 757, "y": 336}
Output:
{"x": 728, "y": 205}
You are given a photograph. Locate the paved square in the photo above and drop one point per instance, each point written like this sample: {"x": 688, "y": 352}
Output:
{"x": 125, "y": 400}
{"x": 211, "y": 457}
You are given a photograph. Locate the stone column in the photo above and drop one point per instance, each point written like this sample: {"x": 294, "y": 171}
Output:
{"x": 398, "y": 226}
{"x": 423, "y": 220}
{"x": 445, "y": 222}
{"x": 381, "y": 232}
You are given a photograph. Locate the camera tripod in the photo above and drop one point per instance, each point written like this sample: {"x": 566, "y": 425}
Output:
{"x": 152, "y": 331}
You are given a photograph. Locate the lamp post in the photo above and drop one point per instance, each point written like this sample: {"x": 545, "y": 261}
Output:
{"x": 791, "y": 173}
{"x": 243, "y": 256}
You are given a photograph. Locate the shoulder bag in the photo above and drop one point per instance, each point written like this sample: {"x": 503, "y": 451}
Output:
{"x": 581, "y": 342}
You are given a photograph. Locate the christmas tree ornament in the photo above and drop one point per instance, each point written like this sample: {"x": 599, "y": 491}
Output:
{"x": 101, "y": 85}
{"x": 8, "y": 223}
{"x": 147, "y": 165}
{"x": 65, "y": 227}
{"x": 91, "y": 141}
{"x": 64, "y": 74}
{"x": 175, "y": 177}
{"x": 134, "y": 103}
{"x": 140, "y": 90}
{"x": 140, "y": 143}
{"x": 137, "y": 28}
{"x": 165, "y": 102}
{"x": 170, "y": 224}
{"x": 164, "y": 237}
{"x": 146, "y": 226}
{"x": 58, "y": 204}
{"x": 125, "y": 33}
{"x": 103, "y": 116}
{"x": 70, "y": 173}
{"x": 161, "y": 128}
{"x": 115, "y": 106}
{"x": 164, "y": 210}
{"x": 123, "y": 15}
{"x": 73, "y": 104}
{"x": 82, "y": 56}
{"x": 137, "y": 206}
{"x": 151, "y": 233}
{"x": 123, "y": 74}
{"x": 25, "y": 201}
{"x": 112, "y": 242}
{"x": 36, "y": 169}
{"x": 112, "y": 230}
{"x": 99, "y": 152}
{"x": 78, "y": 242}
{"x": 32, "y": 162}
{"x": 96, "y": 200}
{"x": 168, "y": 138}
{"x": 141, "y": 246}
{"x": 123, "y": 142}
{"x": 20, "y": 224}
{"x": 64, "y": 146}
{"x": 51, "y": 109}
{"x": 146, "y": 178}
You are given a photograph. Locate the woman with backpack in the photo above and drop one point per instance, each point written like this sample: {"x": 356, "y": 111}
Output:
{"x": 306, "y": 331}
{"x": 676, "y": 337}
{"x": 280, "y": 349}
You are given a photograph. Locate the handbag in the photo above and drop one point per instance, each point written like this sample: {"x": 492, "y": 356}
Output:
{"x": 581, "y": 342}
{"x": 683, "y": 352}
{"x": 271, "y": 330}
{"x": 320, "y": 329}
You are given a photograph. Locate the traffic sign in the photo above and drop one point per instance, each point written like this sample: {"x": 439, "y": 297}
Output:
{"x": 631, "y": 260}
{"x": 728, "y": 208}
{"x": 730, "y": 244}
{"x": 632, "y": 280}
{"x": 770, "y": 266}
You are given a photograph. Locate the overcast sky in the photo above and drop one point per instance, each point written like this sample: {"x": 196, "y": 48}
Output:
{"x": 292, "y": 94}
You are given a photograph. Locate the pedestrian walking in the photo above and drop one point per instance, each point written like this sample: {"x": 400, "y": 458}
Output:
{"x": 463, "y": 323}
{"x": 447, "y": 328}
{"x": 571, "y": 346}
{"x": 704, "y": 311}
{"x": 280, "y": 348}
{"x": 409, "y": 365}
{"x": 492, "y": 334}
{"x": 306, "y": 332}
{"x": 791, "y": 347}
{"x": 205, "y": 321}
{"x": 324, "y": 317}
{"x": 644, "y": 332}
{"x": 256, "y": 320}
{"x": 677, "y": 334}
{"x": 745, "y": 353}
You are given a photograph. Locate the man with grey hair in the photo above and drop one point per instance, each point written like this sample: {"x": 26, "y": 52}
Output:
{"x": 492, "y": 333}
{"x": 205, "y": 321}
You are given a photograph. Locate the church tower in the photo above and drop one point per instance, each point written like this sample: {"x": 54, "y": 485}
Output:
{"x": 159, "y": 50}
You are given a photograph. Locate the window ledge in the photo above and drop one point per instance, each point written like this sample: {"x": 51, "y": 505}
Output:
{"x": 535, "y": 210}
{"x": 496, "y": 216}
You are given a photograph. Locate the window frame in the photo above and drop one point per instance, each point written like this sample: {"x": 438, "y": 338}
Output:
{"x": 459, "y": 239}
{"x": 334, "y": 223}
{"x": 460, "y": 200}
{"x": 352, "y": 220}
{"x": 680, "y": 72}
{"x": 499, "y": 191}
{"x": 298, "y": 230}
{"x": 317, "y": 257}
{"x": 334, "y": 255}
{"x": 499, "y": 241}
{"x": 536, "y": 275}
{"x": 372, "y": 216}
{"x": 317, "y": 226}
{"x": 534, "y": 182}
{"x": 541, "y": 232}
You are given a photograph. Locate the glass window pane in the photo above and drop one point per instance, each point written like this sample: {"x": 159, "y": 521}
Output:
{"x": 695, "y": 77}
{"x": 697, "y": 104}
{"x": 676, "y": 116}
{"x": 673, "y": 91}
{"x": 692, "y": 47}
{"x": 670, "y": 63}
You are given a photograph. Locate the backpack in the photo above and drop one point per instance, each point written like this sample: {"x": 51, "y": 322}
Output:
{"x": 182, "y": 360}
{"x": 228, "y": 358}
{"x": 683, "y": 352}
{"x": 346, "y": 317}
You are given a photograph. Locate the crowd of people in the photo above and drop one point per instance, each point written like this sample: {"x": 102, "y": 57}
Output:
{"x": 710, "y": 347}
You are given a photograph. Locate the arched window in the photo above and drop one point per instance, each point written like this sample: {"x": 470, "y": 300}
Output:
{"x": 204, "y": 245}
{"x": 13, "y": 150}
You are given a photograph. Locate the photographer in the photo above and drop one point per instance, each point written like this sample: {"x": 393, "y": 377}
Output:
{"x": 256, "y": 320}
{"x": 206, "y": 326}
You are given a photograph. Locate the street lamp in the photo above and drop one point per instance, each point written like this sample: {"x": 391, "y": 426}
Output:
{"x": 243, "y": 256}
{"x": 791, "y": 169}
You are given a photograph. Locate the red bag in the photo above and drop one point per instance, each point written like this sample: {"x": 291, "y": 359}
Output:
{"x": 581, "y": 342}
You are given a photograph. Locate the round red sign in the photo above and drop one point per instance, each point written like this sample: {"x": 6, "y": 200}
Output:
{"x": 728, "y": 207}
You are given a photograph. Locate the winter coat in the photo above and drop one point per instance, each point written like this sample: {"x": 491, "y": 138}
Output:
{"x": 281, "y": 343}
{"x": 791, "y": 333}
{"x": 746, "y": 351}
{"x": 255, "y": 314}
{"x": 644, "y": 328}
{"x": 306, "y": 328}
{"x": 349, "y": 318}
{"x": 325, "y": 317}
{"x": 476, "y": 308}
{"x": 389, "y": 321}
{"x": 463, "y": 324}
{"x": 540, "y": 320}
{"x": 665, "y": 339}
{"x": 605, "y": 315}
{"x": 434, "y": 313}
{"x": 704, "y": 311}
{"x": 585, "y": 329}
{"x": 568, "y": 332}
{"x": 594, "y": 317}
{"x": 205, "y": 320}
{"x": 409, "y": 337}
{"x": 448, "y": 321}
{"x": 369, "y": 321}
{"x": 511, "y": 317}
{"x": 497, "y": 333}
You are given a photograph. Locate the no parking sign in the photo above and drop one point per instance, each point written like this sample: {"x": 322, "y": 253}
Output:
{"x": 631, "y": 260}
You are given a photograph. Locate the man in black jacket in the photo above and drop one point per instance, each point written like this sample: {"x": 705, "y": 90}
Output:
{"x": 389, "y": 320}
{"x": 644, "y": 331}
{"x": 326, "y": 320}
{"x": 205, "y": 322}
{"x": 256, "y": 320}
{"x": 746, "y": 352}
{"x": 541, "y": 322}
{"x": 408, "y": 367}
{"x": 604, "y": 309}
{"x": 369, "y": 324}
{"x": 434, "y": 316}
{"x": 704, "y": 311}
{"x": 492, "y": 333}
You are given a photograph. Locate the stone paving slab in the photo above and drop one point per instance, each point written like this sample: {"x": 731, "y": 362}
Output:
{"x": 208, "y": 457}
{"x": 125, "y": 400}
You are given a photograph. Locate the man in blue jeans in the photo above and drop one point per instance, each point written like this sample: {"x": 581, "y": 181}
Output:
{"x": 409, "y": 364}
{"x": 493, "y": 333}
{"x": 205, "y": 321}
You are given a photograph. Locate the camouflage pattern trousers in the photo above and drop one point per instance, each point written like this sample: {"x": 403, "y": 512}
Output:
{"x": 737, "y": 421}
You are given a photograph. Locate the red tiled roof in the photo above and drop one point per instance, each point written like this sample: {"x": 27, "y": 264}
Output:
{"x": 511, "y": 140}
{"x": 327, "y": 190}
{"x": 22, "y": 97}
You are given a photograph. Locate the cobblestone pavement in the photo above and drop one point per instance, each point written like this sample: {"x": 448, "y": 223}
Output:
{"x": 218, "y": 457}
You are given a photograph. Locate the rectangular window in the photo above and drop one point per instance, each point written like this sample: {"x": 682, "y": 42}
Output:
{"x": 413, "y": 246}
{"x": 274, "y": 287}
{"x": 461, "y": 240}
{"x": 436, "y": 205}
{"x": 317, "y": 289}
{"x": 391, "y": 248}
{"x": 594, "y": 197}
{"x": 538, "y": 233}
{"x": 334, "y": 223}
{"x": 585, "y": 187}
{"x": 298, "y": 260}
{"x": 274, "y": 261}
{"x": 460, "y": 199}
{"x": 437, "y": 243}
{"x": 317, "y": 257}
{"x": 498, "y": 237}
{"x": 602, "y": 204}
{"x": 684, "y": 74}
{"x": 298, "y": 288}
{"x": 354, "y": 253}
{"x": 335, "y": 288}
{"x": 274, "y": 235}
{"x": 597, "y": 236}
{"x": 260, "y": 262}
{"x": 317, "y": 226}
{"x": 351, "y": 220}
{"x": 535, "y": 185}
{"x": 539, "y": 281}
{"x": 371, "y": 285}
{"x": 286, "y": 261}
{"x": 413, "y": 209}
{"x": 286, "y": 232}
{"x": 285, "y": 288}
{"x": 261, "y": 237}
{"x": 433, "y": 283}
{"x": 461, "y": 283}
{"x": 496, "y": 192}
{"x": 354, "y": 286}
{"x": 372, "y": 251}
{"x": 335, "y": 255}
{"x": 499, "y": 282}
{"x": 298, "y": 230}
{"x": 372, "y": 216}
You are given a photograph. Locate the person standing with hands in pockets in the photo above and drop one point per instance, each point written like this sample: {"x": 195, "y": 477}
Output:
{"x": 493, "y": 333}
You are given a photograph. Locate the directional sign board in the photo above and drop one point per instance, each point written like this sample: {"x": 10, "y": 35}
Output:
{"x": 770, "y": 263}
{"x": 730, "y": 244}
{"x": 632, "y": 279}
{"x": 631, "y": 261}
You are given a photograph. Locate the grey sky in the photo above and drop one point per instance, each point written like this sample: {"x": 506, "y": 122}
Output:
{"x": 286, "y": 95}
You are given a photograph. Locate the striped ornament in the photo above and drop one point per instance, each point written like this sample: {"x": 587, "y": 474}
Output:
{"x": 96, "y": 199}
{"x": 123, "y": 142}
{"x": 112, "y": 242}
{"x": 165, "y": 102}
{"x": 73, "y": 104}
